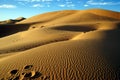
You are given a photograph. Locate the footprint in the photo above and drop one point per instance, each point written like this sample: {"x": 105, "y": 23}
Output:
{"x": 30, "y": 74}
{"x": 21, "y": 75}
{"x": 14, "y": 72}
{"x": 33, "y": 74}
{"x": 28, "y": 67}
{"x": 33, "y": 27}
{"x": 42, "y": 26}
{"x": 37, "y": 74}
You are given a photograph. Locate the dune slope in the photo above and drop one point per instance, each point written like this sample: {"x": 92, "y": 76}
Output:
{"x": 62, "y": 45}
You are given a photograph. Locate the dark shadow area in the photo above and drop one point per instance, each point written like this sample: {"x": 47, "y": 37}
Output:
{"x": 28, "y": 74}
{"x": 111, "y": 46}
{"x": 118, "y": 25}
{"x": 14, "y": 71}
{"x": 77, "y": 28}
{"x": 8, "y": 29}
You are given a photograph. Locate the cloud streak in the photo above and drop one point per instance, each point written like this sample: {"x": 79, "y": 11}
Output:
{"x": 100, "y": 3}
{"x": 67, "y": 4}
{"x": 62, "y": 5}
{"x": 34, "y": 0}
{"x": 29, "y": 0}
{"x": 7, "y": 6}
{"x": 37, "y": 5}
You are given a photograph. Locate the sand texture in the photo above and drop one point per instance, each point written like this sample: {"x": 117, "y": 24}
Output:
{"x": 62, "y": 45}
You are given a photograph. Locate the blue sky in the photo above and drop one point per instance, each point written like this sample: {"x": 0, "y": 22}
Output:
{"x": 11, "y": 9}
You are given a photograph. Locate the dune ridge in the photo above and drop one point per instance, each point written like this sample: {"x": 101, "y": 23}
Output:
{"x": 62, "y": 45}
{"x": 12, "y": 21}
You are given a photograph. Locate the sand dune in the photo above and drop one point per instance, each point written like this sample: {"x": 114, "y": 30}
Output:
{"x": 12, "y": 21}
{"x": 62, "y": 45}
{"x": 74, "y": 14}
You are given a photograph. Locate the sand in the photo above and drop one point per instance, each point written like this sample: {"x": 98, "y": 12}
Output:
{"x": 62, "y": 45}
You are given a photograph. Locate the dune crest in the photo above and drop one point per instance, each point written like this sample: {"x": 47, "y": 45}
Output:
{"x": 62, "y": 45}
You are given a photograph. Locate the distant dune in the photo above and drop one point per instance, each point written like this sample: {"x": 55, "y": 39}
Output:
{"x": 12, "y": 21}
{"x": 61, "y": 45}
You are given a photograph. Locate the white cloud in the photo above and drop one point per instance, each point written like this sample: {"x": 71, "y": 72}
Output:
{"x": 24, "y": 0}
{"x": 101, "y": 3}
{"x": 69, "y": 2}
{"x": 21, "y": 3}
{"x": 46, "y": 0}
{"x": 35, "y": 0}
{"x": 70, "y": 5}
{"x": 48, "y": 5}
{"x": 7, "y": 6}
{"x": 37, "y": 5}
{"x": 86, "y": 5}
{"x": 66, "y": 5}
{"x": 62, "y": 5}
{"x": 113, "y": 3}
{"x": 30, "y": 0}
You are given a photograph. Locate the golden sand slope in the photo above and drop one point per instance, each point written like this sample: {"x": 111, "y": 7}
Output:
{"x": 63, "y": 45}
